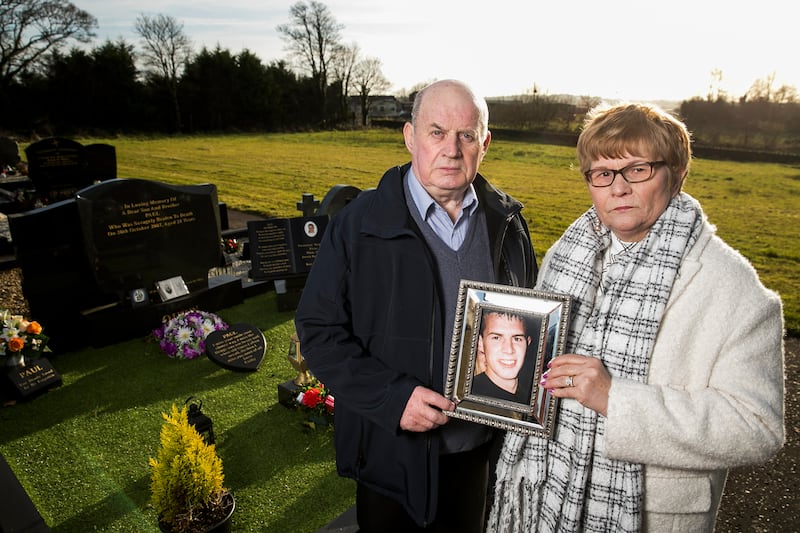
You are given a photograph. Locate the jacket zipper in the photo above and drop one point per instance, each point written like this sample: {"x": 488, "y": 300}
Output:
{"x": 432, "y": 347}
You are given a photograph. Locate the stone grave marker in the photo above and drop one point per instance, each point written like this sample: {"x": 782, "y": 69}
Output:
{"x": 139, "y": 232}
{"x": 59, "y": 167}
{"x": 36, "y": 377}
{"x": 241, "y": 347}
{"x": 56, "y": 168}
{"x": 336, "y": 198}
{"x": 101, "y": 162}
{"x": 284, "y": 249}
{"x": 93, "y": 265}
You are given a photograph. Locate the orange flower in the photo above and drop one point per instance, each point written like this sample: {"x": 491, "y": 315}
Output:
{"x": 15, "y": 344}
{"x": 34, "y": 328}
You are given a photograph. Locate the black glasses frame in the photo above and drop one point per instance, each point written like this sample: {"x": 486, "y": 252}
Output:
{"x": 621, "y": 172}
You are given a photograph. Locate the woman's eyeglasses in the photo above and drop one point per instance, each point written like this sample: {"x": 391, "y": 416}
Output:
{"x": 635, "y": 173}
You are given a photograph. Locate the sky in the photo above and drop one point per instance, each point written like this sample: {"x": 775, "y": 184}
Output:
{"x": 616, "y": 49}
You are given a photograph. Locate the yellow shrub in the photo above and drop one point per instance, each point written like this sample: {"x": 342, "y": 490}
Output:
{"x": 187, "y": 474}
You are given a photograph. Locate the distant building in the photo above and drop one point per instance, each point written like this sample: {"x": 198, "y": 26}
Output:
{"x": 380, "y": 108}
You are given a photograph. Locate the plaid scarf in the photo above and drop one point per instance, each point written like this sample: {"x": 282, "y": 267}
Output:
{"x": 566, "y": 484}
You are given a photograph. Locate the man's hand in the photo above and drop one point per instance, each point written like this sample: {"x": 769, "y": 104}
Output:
{"x": 423, "y": 411}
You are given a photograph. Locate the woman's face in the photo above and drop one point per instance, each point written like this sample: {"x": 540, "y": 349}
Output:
{"x": 630, "y": 209}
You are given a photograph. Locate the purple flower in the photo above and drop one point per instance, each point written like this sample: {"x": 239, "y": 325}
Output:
{"x": 184, "y": 335}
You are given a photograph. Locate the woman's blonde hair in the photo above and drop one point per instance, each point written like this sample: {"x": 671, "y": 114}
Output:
{"x": 639, "y": 130}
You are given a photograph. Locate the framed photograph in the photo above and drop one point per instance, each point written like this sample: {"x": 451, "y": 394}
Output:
{"x": 503, "y": 338}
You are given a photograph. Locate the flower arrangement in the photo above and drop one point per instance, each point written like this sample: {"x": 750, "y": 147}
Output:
{"x": 317, "y": 402}
{"x": 184, "y": 335}
{"x": 21, "y": 337}
{"x": 230, "y": 245}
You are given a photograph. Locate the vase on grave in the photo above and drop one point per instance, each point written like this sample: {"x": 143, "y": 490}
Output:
{"x": 15, "y": 359}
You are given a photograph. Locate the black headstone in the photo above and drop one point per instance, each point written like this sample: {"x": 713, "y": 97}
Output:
{"x": 57, "y": 280}
{"x": 9, "y": 152}
{"x": 336, "y": 198}
{"x": 57, "y": 168}
{"x": 101, "y": 162}
{"x": 283, "y": 247}
{"x": 92, "y": 265}
{"x": 138, "y": 232}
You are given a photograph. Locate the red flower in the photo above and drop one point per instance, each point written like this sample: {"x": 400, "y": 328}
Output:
{"x": 311, "y": 398}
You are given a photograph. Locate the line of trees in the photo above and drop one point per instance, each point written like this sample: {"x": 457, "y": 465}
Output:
{"x": 163, "y": 85}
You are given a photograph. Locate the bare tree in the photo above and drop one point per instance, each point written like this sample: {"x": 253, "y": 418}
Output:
{"x": 588, "y": 102}
{"x": 29, "y": 29}
{"x": 760, "y": 90}
{"x": 764, "y": 90}
{"x": 786, "y": 94}
{"x": 167, "y": 50}
{"x": 344, "y": 60}
{"x": 312, "y": 37}
{"x": 368, "y": 79}
{"x": 715, "y": 91}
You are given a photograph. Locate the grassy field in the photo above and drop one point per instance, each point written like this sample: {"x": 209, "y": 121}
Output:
{"x": 756, "y": 206}
{"x": 81, "y": 451}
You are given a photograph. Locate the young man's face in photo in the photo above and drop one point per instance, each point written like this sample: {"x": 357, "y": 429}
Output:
{"x": 504, "y": 344}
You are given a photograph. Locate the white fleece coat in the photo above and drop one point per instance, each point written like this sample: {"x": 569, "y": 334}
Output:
{"x": 714, "y": 393}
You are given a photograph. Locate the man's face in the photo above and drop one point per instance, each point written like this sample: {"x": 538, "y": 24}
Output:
{"x": 504, "y": 344}
{"x": 445, "y": 143}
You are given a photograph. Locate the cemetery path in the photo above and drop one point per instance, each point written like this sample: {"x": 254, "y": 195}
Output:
{"x": 239, "y": 219}
{"x": 760, "y": 498}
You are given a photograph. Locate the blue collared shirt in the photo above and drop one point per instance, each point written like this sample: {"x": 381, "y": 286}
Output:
{"x": 451, "y": 233}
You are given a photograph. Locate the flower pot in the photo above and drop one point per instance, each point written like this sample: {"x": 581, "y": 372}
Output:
{"x": 15, "y": 359}
{"x": 221, "y": 526}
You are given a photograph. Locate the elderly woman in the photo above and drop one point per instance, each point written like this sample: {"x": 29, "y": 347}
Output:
{"x": 675, "y": 365}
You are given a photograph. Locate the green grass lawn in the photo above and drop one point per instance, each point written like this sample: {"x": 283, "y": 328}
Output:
{"x": 81, "y": 450}
{"x": 756, "y": 206}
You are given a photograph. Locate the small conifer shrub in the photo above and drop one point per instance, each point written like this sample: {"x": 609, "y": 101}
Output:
{"x": 186, "y": 483}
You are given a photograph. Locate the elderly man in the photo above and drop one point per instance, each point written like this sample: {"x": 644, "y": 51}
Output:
{"x": 376, "y": 316}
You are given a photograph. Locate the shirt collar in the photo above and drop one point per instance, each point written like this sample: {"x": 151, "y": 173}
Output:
{"x": 425, "y": 203}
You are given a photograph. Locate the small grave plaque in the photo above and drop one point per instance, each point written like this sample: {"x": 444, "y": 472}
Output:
{"x": 36, "y": 377}
{"x": 241, "y": 347}
{"x": 281, "y": 247}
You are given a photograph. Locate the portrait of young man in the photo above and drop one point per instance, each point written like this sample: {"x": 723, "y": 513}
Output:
{"x": 502, "y": 347}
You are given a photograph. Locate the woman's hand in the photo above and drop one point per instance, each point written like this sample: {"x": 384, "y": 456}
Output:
{"x": 582, "y": 378}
